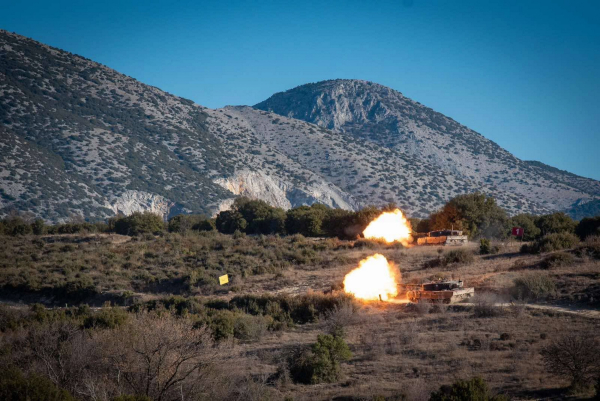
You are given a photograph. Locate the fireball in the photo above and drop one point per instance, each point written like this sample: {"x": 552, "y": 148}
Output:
{"x": 390, "y": 226}
{"x": 374, "y": 279}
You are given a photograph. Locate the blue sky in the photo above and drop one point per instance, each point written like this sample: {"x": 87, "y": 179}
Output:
{"x": 525, "y": 74}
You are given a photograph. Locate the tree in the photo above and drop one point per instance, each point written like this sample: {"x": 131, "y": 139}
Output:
{"x": 556, "y": 223}
{"x": 138, "y": 223}
{"x": 306, "y": 220}
{"x": 527, "y": 222}
{"x": 230, "y": 221}
{"x": 160, "y": 356}
{"x": 261, "y": 217}
{"x": 576, "y": 356}
{"x": 587, "y": 227}
{"x": 185, "y": 222}
{"x": 476, "y": 214}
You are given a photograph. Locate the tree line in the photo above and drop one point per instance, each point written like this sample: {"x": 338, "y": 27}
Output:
{"x": 477, "y": 215}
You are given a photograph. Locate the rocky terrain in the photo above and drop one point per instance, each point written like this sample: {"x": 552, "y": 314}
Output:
{"x": 375, "y": 113}
{"x": 80, "y": 139}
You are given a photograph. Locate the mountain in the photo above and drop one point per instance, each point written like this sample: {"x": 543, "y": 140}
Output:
{"x": 80, "y": 139}
{"x": 383, "y": 116}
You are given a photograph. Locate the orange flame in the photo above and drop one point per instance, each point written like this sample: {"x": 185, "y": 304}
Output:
{"x": 390, "y": 226}
{"x": 373, "y": 279}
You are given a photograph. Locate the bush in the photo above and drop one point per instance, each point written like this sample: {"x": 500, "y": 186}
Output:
{"x": 486, "y": 247}
{"x": 533, "y": 286}
{"x": 185, "y": 222}
{"x": 556, "y": 223}
{"x": 551, "y": 242}
{"x": 306, "y": 220}
{"x": 575, "y": 356}
{"x": 558, "y": 260}
{"x": 475, "y": 389}
{"x": 587, "y": 227}
{"x": 320, "y": 364}
{"x": 527, "y": 222}
{"x": 137, "y": 223}
{"x": 458, "y": 256}
{"x": 38, "y": 227}
{"x": 108, "y": 317}
{"x": 14, "y": 386}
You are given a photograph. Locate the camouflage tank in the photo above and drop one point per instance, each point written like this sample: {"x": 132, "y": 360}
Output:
{"x": 446, "y": 292}
{"x": 442, "y": 237}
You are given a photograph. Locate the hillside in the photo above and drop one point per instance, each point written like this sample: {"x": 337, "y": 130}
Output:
{"x": 82, "y": 140}
{"x": 381, "y": 115}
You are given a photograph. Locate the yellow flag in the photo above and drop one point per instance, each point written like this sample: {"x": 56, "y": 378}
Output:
{"x": 223, "y": 279}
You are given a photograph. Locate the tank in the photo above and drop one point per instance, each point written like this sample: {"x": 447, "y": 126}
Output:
{"x": 442, "y": 237}
{"x": 446, "y": 292}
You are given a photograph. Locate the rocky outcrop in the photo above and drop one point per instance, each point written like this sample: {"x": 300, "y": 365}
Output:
{"x": 258, "y": 185}
{"x": 139, "y": 201}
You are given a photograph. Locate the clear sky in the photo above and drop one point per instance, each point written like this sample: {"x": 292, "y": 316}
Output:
{"x": 525, "y": 74}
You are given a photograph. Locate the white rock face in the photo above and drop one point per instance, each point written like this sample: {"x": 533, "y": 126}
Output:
{"x": 139, "y": 201}
{"x": 258, "y": 185}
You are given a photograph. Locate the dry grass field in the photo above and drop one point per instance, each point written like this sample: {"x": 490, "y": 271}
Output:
{"x": 399, "y": 350}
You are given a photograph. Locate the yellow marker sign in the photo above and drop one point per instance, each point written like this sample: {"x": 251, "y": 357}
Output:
{"x": 223, "y": 279}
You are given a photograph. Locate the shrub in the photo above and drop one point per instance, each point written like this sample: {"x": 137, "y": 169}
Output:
{"x": 108, "y": 317}
{"x": 533, "y": 286}
{"x": 527, "y": 222}
{"x": 138, "y": 223}
{"x": 184, "y": 222}
{"x": 14, "y": 386}
{"x": 486, "y": 247}
{"x": 551, "y": 242}
{"x": 575, "y": 356}
{"x": 306, "y": 220}
{"x": 556, "y": 223}
{"x": 247, "y": 327}
{"x": 475, "y": 389}
{"x": 590, "y": 247}
{"x": 587, "y": 227}
{"x": 38, "y": 227}
{"x": 320, "y": 364}
{"x": 557, "y": 260}
{"x": 458, "y": 256}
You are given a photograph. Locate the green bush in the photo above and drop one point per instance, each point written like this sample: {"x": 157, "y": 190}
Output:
{"x": 138, "y": 223}
{"x": 320, "y": 364}
{"x": 306, "y": 220}
{"x": 486, "y": 247}
{"x": 527, "y": 222}
{"x": 14, "y": 386}
{"x": 551, "y": 243}
{"x": 475, "y": 389}
{"x": 533, "y": 286}
{"x": 556, "y": 223}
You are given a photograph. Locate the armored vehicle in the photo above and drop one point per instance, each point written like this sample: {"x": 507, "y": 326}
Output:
{"x": 442, "y": 237}
{"x": 446, "y": 292}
